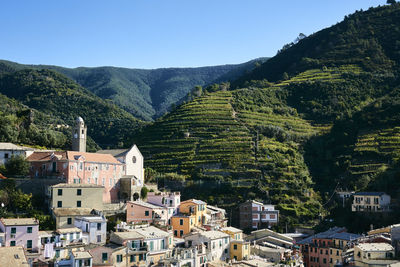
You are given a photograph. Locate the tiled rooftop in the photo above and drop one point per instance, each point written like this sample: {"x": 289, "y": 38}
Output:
{"x": 19, "y": 221}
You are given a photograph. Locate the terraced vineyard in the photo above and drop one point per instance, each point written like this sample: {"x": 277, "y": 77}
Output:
{"x": 243, "y": 136}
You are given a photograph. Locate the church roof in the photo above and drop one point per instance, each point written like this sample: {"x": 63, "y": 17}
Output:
{"x": 115, "y": 152}
{"x": 72, "y": 155}
{"x": 92, "y": 157}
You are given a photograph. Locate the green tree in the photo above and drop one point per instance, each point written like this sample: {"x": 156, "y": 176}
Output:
{"x": 391, "y": 2}
{"x": 17, "y": 165}
{"x": 143, "y": 192}
{"x": 21, "y": 201}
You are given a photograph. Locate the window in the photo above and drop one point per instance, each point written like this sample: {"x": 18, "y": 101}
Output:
{"x": 29, "y": 230}
{"x": 6, "y": 155}
{"x": 235, "y": 247}
{"x": 69, "y": 220}
{"x": 59, "y": 192}
{"x": 119, "y": 258}
{"x": 99, "y": 226}
{"x": 110, "y": 182}
{"x": 79, "y": 192}
{"x": 95, "y": 180}
{"x": 151, "y": 245}
{"x": 28, "y": 243}
{"x": 88, "y": 180}
{"x": 146, "y": 213}
{"x": 71, "y": 168}
{"x": 330, "y": 260}
{"x": 80, "y": 166}
{"x": 57, "y": 253}
{"x": 176, "y": 233}
{"x": 78, "y": 204}
{"x": 71, "y": 236}
{"x": 181, "y": 233}
{"x": 324, "y": 260}
{"x": 337, "y": 252}
{"x": 180, "y": 221}
{"x": 272, "y": 216}
{"x": 104, "y": 256}
{"x": 133, "y": 258}
{"x": 226, "y": 251}
{"x": 326, "y": 252}
{"x": 59, "y": 204}
{"x": 98, "y": 238}
{"x": 13, "y": 230}
{"x": 12, "y": 243}
{"x": 104, "y": 181}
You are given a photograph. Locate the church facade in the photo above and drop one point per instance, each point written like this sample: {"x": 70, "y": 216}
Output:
{"x": 81, "y": 167}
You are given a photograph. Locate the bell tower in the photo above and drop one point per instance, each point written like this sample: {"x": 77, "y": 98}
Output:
{"x": 79, "y": 135}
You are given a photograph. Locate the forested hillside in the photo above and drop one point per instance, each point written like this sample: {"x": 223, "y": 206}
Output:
{"x": 320, "y": 115}
{"x": 146, "y": 94}
{"x": 62, "y": 100}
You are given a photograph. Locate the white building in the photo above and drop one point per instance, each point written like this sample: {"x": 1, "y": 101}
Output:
{"x": 133, "y": 160}
{"x": 170, "y": 200}
{"x": 7, "y": 150}
{"x": 94, "y": 227}
{"x": 217, "y": 244}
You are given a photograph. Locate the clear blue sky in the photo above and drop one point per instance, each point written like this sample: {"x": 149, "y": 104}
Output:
{"x": 159, "y": 33}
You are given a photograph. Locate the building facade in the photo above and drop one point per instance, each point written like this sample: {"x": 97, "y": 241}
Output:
{"x": 8, "y": 150}
{"x": 143, "y": 212}
{"x": 76, "y": 196}
{"x": 80, "y": 168}
{"x": 23, "y": 232}
{"x": 256, "y": 215}
{"x": 95, "y": 227}
{"x": 371, "y": 202}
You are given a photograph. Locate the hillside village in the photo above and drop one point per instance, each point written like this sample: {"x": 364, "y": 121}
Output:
{"x": 292, "y": 160}
{"x": 158, "y": 228}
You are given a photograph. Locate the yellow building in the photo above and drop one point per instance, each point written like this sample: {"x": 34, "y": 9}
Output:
{"x": 182, "y": 224}
{"x": 239, "y": 250}
{"x": 339, "y": 243}
{"x": 194, "y": 207}
{"x": 235, "y": 233}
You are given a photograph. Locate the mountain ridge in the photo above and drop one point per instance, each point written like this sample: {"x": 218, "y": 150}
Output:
{"x": 145, "y": 93}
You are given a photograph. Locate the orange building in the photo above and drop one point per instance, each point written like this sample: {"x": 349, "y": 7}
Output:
{"x": 194, "y": 207}
{"x": 182, "y": 224}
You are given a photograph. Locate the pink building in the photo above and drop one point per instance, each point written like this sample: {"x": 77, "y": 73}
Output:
{"x": 80, "y": 168}
{"x": 139, "y": 211}
{"x": 22, "y": 232}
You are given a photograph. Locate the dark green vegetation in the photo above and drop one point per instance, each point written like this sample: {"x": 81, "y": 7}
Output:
{"x": 332, "y": 98}
{"x": 147, "y": 94}
{"x": 18, "y": 204}
{"x": 15, "y": 166}
{"x": 49, "y": 92}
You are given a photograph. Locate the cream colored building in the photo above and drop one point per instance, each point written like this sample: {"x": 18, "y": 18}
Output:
{"x": 373, "y": 254}
{"x": 65, "y": 217}
{"x": 371, "y": 202}
{"x": 76, "y": 196}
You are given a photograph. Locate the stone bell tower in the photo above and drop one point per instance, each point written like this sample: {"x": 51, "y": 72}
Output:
{"x": 79, "y": 135}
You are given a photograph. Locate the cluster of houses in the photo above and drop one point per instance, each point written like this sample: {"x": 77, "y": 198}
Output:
{"x": 160, "y": 229}
{"x": 336, "y": 247}
{"x": 163, "y": 231}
